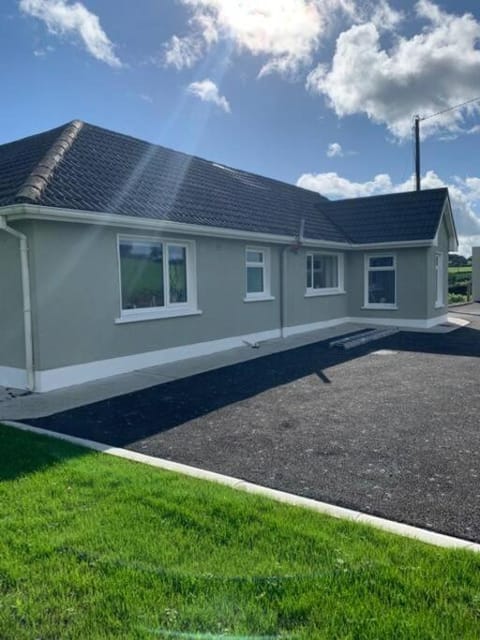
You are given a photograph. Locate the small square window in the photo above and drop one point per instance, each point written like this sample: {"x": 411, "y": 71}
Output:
{"x": 257, "y": 273}
{"x": 324, "y": 273}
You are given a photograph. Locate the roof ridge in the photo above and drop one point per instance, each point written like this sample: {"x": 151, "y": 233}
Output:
{"x": 385, "y": 195}
{"x": 35, "y": 184}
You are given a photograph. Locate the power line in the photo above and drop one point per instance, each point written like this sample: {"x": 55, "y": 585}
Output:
{"x": 457, "y": 106}
{"x": 417, "y": 120}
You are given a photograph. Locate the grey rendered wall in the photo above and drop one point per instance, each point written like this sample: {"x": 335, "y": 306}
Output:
{"x": 77, "y": 297}
{"x": 476, "y": 273}
{"x": 412, "y": 289}
{"x": 12, "y": 341}
{"x": 302, "y": 310}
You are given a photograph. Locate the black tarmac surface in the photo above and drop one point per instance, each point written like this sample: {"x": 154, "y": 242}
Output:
{"x": 394, "y": 433}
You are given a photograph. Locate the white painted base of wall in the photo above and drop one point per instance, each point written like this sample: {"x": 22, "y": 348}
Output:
{"x": 313, "y": 326}
{"x": 51, "y": 379}
{"x": 403, "y": 322}
{"x": 12, "y": 377}
{"x": 78, "y": 373}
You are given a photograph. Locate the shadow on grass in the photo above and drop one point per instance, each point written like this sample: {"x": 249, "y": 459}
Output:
{"x": 21, "y": 454}
{"x": 125, "y": 419}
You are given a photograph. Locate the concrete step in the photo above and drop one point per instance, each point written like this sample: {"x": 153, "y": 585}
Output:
{"x": 363, "y": 338}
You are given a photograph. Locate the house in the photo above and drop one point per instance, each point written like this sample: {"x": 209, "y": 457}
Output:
{"x": 476, "y": 274}
{"x": 117, "y": 254}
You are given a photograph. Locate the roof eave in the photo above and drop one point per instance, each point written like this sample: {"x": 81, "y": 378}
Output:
{"x": 450, "y": 221}
{"x": 53, "y": 214}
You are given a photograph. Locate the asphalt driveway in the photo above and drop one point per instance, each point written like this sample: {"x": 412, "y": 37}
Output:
{"x": 391, "y": 428}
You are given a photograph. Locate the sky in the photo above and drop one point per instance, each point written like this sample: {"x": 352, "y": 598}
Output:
{"x": 319, "y": 93}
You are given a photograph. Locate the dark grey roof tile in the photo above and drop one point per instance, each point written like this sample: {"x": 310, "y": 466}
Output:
{"x": 104, "y": 171}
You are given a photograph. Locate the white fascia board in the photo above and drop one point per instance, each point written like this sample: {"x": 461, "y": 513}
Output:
{"x": 37, "y": 212}
{"x": 452, "y": 231}
{"x": 379, "y": 246}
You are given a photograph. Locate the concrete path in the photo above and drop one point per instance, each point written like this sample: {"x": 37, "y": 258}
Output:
{"x": 15, "y": 404}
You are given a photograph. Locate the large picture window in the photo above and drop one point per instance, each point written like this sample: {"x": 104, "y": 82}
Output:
{"x": 324, "y": 273}
{"x": 154, "y": 275}
{"x": 380, "y": 280}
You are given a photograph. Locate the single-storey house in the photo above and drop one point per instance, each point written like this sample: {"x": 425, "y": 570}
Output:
{"x": 117, "y": 254}
{"x": 476, "y": 274}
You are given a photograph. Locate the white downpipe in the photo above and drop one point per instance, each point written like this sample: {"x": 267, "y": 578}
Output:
{"x": 27, "y": 307}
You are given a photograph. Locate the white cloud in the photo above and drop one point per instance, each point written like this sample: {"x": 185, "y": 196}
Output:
{"x": 63, "y": 18}
{"x": 285, "y": 32}
{"x": 182, "y": 52}
{"x": 208, "y": 91}
{"x": 464, "y": 196}
{"x": 335, "y": 150}
{"x": 434, "y": 69}
{"x": 334, "y": 186}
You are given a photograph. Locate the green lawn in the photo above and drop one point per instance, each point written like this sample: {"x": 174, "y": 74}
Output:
{"x": 92, "y": 546}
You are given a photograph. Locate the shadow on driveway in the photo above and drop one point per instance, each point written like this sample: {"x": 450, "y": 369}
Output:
{"x": 125, "y": 419}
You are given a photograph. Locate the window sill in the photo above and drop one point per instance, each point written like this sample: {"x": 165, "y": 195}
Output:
{"x": 380, "y": 306}
{"x": 258, "y": 299}
{"x": 156, "y": 315}
{"x": 331, "y": 292}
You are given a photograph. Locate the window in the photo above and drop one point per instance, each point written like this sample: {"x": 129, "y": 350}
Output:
{"x": 380, "y": 281}
{"x": 324, "y": 273}
{"x": 155, "y": 276}
{"x": 439, "y": 302}
{"x": 257, "y": 265}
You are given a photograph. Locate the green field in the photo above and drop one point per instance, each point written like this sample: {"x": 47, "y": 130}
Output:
{"x": 94, "y": 547}
{"x": 143, "y": 282}
{"x": 460, "y": 270}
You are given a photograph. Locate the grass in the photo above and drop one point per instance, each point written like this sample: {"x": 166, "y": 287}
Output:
{"x": 96, "y": 547}
{"x": 460, "y": 269}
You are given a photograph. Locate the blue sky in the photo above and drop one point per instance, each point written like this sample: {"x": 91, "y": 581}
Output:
{"x": 315, "y": 92}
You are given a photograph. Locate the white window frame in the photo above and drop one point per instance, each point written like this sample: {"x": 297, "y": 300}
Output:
{"x": 265, "y": 265}
{"x": 439, "y": 279}
{"x": 169, "y": 309}
{"x": 325, "y": 291}
{"x": 368, "y": 268}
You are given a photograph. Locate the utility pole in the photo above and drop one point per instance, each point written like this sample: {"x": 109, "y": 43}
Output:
{"x": 417, "y": 120}
{"x": 417, "y": 152}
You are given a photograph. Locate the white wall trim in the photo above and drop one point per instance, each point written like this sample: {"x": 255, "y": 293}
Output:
{"x": 313, "y": 326}
{"x": 13, "y": 377}
{"x": 78, "y": 373}
{"x": 51, "y": 379}
{"x": 407, "y": 323}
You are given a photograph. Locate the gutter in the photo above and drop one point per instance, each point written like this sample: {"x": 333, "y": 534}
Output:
{"x": 21, "y": 211}
{"x": 27, "y": 307}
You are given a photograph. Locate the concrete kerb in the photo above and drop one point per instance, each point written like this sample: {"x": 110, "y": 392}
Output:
{"x": 391, "y": 526}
